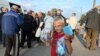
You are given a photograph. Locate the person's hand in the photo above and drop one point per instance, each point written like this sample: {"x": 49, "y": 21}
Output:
{"x": 40, "y": 26}
{"x": 66, "y": 36}
{"x": 33, "y": 32}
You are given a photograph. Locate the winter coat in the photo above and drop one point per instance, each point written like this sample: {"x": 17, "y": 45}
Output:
{"x": 93, "y": 20}
{"x": 11, "y": 23}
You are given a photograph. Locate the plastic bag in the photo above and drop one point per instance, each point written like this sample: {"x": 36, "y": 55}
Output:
{"x": 41, "y": 24}
{"x": 38, "y": 32}
{"x": 45, "y": 35}
{"x": 68, "y": 30}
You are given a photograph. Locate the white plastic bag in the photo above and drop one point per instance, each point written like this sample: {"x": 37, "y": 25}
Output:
{"x": 41, "y": 24}
{"x": 38, "y": 32}
{"x": 45, "y": 35}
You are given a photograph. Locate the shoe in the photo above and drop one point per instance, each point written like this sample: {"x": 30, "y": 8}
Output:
{"x": 10, "y": 55}
{"x": 4, "y": 45}
{"x": 47, "y": 44}
{"x": 87, "y": 45}
{"x": 22, "y": 46}
{"x": 29, "y": 46}
{"x": 92, "y": 48}
{"x": 99, "y": 45}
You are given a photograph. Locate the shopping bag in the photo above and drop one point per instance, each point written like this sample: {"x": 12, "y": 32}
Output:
{"x": 38, "y": 32}
{"x": 68, "y": 30}
{"x": 41, "y": 24}
{"x": 45, "y": 36}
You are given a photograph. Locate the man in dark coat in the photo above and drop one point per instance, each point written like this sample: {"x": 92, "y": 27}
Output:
{"x": 28, "y": 28}
{"x": 11, "y": 23}
{"x": 92, "y": 26}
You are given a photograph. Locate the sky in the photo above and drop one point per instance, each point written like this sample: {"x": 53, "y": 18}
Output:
{"x": 68, "y": 6}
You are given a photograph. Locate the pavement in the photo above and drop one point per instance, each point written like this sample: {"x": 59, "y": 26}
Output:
{"x": 80, "y": 50}
{"x": 77, "y": 44}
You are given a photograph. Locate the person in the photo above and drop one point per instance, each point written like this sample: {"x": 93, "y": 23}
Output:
{"x": 40, "y": 16}
{"x": 59, "y": 13}
{"x": 57, "y": 34}
{"x": 20, "y": 12}
{"x": 48, "y": 21}
{"x": 48, "y": 26}
{"x": 92, "y": 27}
{"x": 73, "y": 22}
{"x": 35, "y": 25}
{"x": 35, "y": 15}
{"x": 98, "y": 40}
{"x": 11, "y": 23}
{"x": 2, "y": 36}
{"x": 27, "y": 29}
{"x": 39, "y": 19}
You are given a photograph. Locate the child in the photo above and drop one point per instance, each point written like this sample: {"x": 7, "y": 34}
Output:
{"x": 58, "y": 34}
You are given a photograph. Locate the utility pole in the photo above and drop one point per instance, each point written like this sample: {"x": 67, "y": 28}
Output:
{"x": 94, "y": 3}
{"x": 81, "y": 11}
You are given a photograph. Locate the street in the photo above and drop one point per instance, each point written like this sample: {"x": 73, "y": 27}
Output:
{"x": 36, "y": 20}
{"x": 78, "y": 50}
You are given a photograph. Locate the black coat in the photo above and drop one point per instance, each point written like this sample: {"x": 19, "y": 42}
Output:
{"x": 38, "y": 22}
{"x": 29, "y": 24}
{"x": 1, "y": 15}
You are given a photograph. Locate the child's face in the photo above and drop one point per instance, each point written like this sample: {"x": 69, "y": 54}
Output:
{"x": 58, "y": 26}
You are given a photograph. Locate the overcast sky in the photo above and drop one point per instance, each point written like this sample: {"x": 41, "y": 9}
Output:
{"x": 68, "y": 6}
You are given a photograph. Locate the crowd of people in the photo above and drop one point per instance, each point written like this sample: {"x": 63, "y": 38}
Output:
{"x": 55, "y": 30}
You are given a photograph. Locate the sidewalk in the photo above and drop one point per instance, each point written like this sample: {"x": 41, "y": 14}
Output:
{"x": 78, "y": 50}
{"x": 2, "y": 50}
{"x": 22, "y": 51}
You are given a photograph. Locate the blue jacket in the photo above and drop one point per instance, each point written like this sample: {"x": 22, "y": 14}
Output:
{"x": 11, "y": 22}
